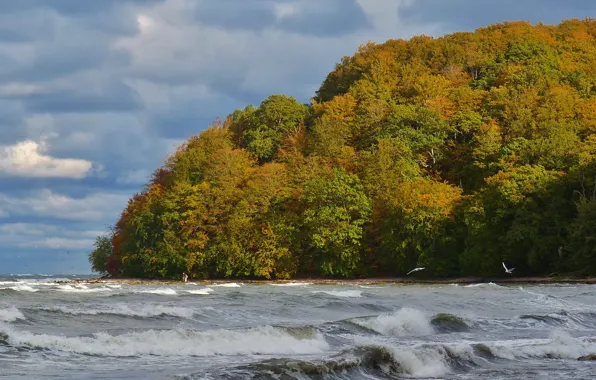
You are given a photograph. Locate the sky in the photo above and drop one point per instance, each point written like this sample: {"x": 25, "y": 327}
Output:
{"x": 94, "y": 95}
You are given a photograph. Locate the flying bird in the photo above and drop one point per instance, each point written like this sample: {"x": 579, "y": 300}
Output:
{"x": 508, "y": 270}
{"x": 415, "y": 270}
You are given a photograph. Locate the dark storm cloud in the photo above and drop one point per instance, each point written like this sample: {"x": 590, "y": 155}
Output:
{"x": 470, "y": 14}
{"x": 310, "y": 17}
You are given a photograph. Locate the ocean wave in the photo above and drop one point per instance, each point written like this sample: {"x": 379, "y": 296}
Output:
{"x": 404, "y": 322}
{"x": 293, "y": 284}
{"x": 81, "y": 289}
{"x": 266, "y": 340}
{"x": 205, "y": 291}
{"x": 341, "y": 293}
{"x": 369, "y": 360}
{"x": 143, "y": 311}
{"x": 484, "y": 285}
{"x": 21, "y": 288}
{"x": 161, "y": 292}
{"x": 228, "y": 285}
{"x": 425, "y": 360}
{"x": 11, "y": 314}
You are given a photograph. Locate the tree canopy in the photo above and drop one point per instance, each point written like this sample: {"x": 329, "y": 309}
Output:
{"x": 454, "y": 153}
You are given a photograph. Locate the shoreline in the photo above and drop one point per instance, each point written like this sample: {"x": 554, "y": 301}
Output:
{"x": 360, "y": 281}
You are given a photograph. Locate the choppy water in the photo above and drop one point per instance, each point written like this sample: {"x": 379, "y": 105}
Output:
{"x": 296, "y": 331}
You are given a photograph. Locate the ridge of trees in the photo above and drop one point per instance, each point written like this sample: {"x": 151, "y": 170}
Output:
{"x": 452, "y": 153}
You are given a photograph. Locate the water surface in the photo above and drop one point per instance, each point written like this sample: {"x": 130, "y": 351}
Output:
{"x": 54, "y": 328}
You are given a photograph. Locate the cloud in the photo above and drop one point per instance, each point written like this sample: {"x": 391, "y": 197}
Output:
{"x": 134, "y": 177}
{"x": 27, "y": 159}
{"x": 95, "y": 94}
{"x": 94, "y": 207}
{"x": 42, "y": 236}
{"x": 306, "y": 17}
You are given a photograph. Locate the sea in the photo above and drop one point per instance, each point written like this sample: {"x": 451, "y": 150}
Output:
{"x": 57, "y": 327}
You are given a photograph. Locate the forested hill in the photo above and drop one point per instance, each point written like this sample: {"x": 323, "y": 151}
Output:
{"x": 452, "y": 153}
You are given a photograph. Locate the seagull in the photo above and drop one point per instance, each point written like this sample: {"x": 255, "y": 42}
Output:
{"x": 508, "y": 270}
{"x": 415, "y": 270}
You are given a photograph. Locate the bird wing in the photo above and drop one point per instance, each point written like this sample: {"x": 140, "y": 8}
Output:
{"x": 505, "y": 266}
{"x": 413, "y": 270}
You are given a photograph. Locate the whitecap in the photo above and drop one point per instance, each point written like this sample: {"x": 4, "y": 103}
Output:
{"x": 293, "y": 284}
{"x": 228, "y": 285}
{"x": 22, "y": 288}
{"x": 11, "y": 314}
{"x": 81, "y": 289}
{"x": 204, "y": 292}
{"x": 266, "y": 340}
{"x": 341, "y": 293}
{"x": 406, "y": 321}
{"x": 146, "y": 310}
{"x": 162, "y": 292}
{"x": 483, "y": 285}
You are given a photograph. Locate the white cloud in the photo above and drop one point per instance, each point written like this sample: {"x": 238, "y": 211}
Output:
{"x": 27, "y": 159}
{"x": 19, "y": 89}
{"x": 284, "y": 10}
{"x": 44, "y": 236}
{"x": 272, "y": 60}
{"x": 95, "y": 207}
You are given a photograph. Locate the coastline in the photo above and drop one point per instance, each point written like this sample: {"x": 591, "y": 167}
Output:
{"x": 360, "y": 281}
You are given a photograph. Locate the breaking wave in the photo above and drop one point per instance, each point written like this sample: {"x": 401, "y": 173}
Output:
{"x": 341, "y": 293}
{"x": 484, "y": 285}
{"x": 265, "y": 340}
{"x": 81, "y": 289}
{"x": 11, "y": 314}
{"x": 404, "y": 322}
{"x": 21, "y": 288}
{"x": 421, "y": 360}
{"x": 143, "y": 311}
{"x": 228, "y": 285}
{"x": 293, "y": 284}
{"x": 411, "y": 322}
{"x": 161, "y": 292}
{"x": 205, "y": 291}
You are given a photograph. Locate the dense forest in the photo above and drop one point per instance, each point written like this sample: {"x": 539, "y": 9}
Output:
{"x": 454, "y": 153}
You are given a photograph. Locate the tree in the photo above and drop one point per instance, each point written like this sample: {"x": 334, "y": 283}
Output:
{"x": 98, "y": 258}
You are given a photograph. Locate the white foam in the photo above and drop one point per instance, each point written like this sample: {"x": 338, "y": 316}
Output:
{"x": 560, "y": 345}
{"x": 147, "y": 310}
{"x": 404, "y": 322}
{"x": 265, "y": 340}
{"x": 228, "y": 285}
{"x": 293, "y": 284}
{"x": 421, "y": 363}
{"x": 203, "y": 292}
{"x": 21, "y": 288}
{"x": 341, "y": 293}
{"x": 162, "y": 292}
{"x": 81, "y": 289}
{"x": 114, "y": 286}
{"x": 371, "y": 287}
{"x": 483, "y": 285}
{"x": 11, "y": 314}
